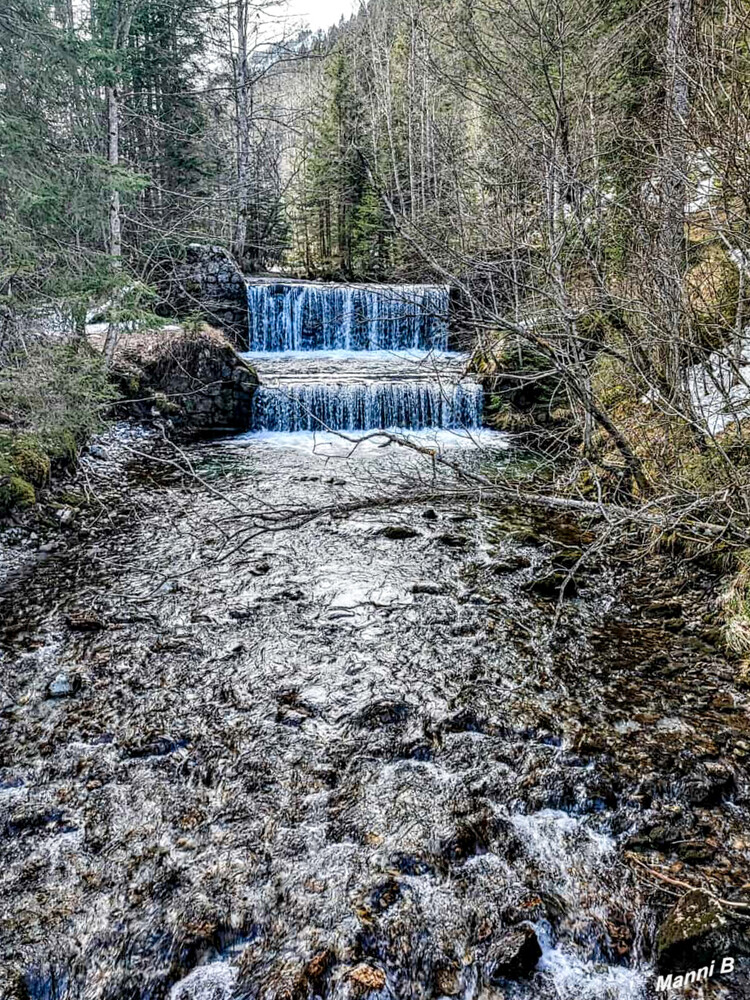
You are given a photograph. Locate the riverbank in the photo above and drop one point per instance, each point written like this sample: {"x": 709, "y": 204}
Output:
{"x": 371, "y": 754}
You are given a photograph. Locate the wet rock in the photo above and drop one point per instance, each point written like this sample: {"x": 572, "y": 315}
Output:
{"x": 293, "y": 594}
{"x": 260, "y": 569}
{"x": 665, "y": 609}
{"x": 384, "y": 713}
{"x": 411, "y": 864}
{"x": 418, "y": 749}
{"x": 510, "y": 563}
{"x": 396, "y": 532}
{"x": 66, "y": 516}
{"x": 568, "y": 557}
{"x": 448, "y": 982}
{"x": 689, "y": 927}
{"x": 696, "y": 852}
{"x": 515, "y": 954}
{"x": 655, "y": 664}
{"x": 473, "y": 836}
{"x": 319, "y": 964}
{"x": 453, "y": 541}
{"x": 552, "y": 583}
{"x": 162, "y": 746}
{"x": 84, "y": 621}
{"x": 61, "y": 686}
{"x": 383, "y": 896}
{"x": 366, "y": 979}
{"x": 294, "y": 717}
{"x": 466, "y": 720}
{"x": 711, "y": 786}
{"x": 242, "y": 613}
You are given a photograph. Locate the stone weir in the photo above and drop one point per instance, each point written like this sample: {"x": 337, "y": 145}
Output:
{"x": 337, "y": 357}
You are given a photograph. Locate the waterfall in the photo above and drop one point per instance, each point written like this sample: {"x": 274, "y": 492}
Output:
{"x": 313, "y": 317}
{"x": 407, "y": 405}
{"x": 356, "y": 358}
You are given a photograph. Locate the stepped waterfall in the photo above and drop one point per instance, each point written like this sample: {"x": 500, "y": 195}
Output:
{"x": 357, "y": 357}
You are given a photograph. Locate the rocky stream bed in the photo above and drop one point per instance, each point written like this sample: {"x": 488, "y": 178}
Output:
{"x": 372, "y": 755}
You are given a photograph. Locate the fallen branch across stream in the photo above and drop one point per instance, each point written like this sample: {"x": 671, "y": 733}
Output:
{"x": 665, "y": 515}
{"x": 484, "y": 489}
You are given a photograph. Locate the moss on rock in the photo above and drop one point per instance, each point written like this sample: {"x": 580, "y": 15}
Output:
{"x": 693, "y": 918}
{"x": 27, "y": 457}
{"x": 15, "y": 492}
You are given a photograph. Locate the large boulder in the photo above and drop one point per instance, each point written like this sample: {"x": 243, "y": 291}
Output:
{"x": 191, "y": 377}
{"x": 695, "y": 929}
{"x": 515, "y": 954}
{"x": 209, "y": 283}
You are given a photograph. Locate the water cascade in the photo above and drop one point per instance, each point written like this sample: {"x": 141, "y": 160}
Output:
{"x": 357, "y": 357}
{"x": 411, "y": 406}
{"x": 314, "y": 317}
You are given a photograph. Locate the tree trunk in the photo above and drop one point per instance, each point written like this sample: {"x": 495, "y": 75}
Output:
{"x": 674, "y": 185}
{"x": 243, "y": 135}
{"x": 122, "y": 19}
{"x": 113, "y": 159}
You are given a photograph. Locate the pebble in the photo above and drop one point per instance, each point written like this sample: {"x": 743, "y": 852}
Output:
{"x": 60, "y": 687}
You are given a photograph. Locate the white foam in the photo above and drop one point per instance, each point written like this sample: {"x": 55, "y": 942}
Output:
{"x": 329, "y": 444}
{"x": 207, "y": 982}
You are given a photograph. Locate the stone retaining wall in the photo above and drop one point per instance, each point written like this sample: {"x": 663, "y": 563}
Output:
{"x": 209, "y": 282}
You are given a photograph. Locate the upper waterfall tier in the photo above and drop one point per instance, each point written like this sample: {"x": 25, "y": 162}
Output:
{"x": 316, "y": 317}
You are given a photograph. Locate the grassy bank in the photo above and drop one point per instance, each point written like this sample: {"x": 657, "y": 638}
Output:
{"x": 694, "y": 453}
{"x": 53, "y": 398}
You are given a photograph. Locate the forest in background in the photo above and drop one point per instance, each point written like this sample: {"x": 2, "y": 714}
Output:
{"x": 577, "y": 171}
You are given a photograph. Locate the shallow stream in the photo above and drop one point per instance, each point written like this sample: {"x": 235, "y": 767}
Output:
{"x": 350, "y": 758}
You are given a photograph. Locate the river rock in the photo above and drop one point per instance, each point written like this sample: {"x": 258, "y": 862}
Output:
{"x": 515, "y": 954}
{"x": 397, "y": 532}
{"x": 60, "y": 687}
{"x": 690, "y": 928}
{"x": 448, "y": 982}
{"x": 84, "y": 621}
{"x": 453, "y": 541}
{"x": 366, "y": 979}
{"x": 510, "y": 563}
{"x": 552, "y": 583}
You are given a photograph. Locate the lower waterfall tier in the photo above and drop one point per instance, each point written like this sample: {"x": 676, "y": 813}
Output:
{"x": 374, "y": 406}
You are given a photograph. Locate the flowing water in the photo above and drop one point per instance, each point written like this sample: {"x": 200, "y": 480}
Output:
{"x": 349, "y": 391}
{"x": 348, "y": 758}
{"x": 293, "y": 316}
